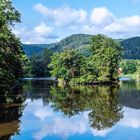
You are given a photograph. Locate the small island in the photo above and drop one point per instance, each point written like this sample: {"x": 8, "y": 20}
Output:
{"x": 99, "y": 67}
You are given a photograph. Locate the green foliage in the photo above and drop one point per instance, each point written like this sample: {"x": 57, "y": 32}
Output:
{"x": 11, "y": 54}
{"x": 26, "y": 67}
{"x": 8, "y": 14}
{"x": 74, "y": 41}
{"x": 131, "y": 48}
{"x": 66, "y": 65}
{"x": 106, "y": 57}
{"x": 129, "y": 66}
{"x": 39, "y": 64}
{"x": 31, "y": 50}
{"x": 102, "y": 66}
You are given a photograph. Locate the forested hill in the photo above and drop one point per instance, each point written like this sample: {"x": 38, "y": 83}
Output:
{"x": 31, "y": 49}
{"x": 73, "y": 41}
{"x": 131, "y": 46}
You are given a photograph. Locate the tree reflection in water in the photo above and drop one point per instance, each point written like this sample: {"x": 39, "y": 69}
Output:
{"x": 129, "y": 94}
{"x": 11, "y": 108}
{"x": 101, "y": 101}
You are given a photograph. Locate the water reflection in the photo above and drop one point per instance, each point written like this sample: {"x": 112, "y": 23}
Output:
{"x": 41, "y": 110}
{"x": 11, "y": 109}
{"x": 129, "y": 94}
{"x": 105, "y": 110}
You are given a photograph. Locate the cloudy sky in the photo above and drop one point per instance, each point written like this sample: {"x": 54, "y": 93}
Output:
{"x": 47, "y": 21}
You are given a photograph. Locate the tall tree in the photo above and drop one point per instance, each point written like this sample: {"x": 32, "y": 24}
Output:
{"x": 11, "y": 55}
{"x": 106, "y": 57}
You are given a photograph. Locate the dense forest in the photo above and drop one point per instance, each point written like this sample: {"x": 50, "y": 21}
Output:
{"x": 131, "y": 46}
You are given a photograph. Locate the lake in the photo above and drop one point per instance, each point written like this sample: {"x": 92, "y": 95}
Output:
{"x": 42, "y": 110}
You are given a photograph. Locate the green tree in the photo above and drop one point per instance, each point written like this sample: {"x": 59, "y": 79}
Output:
{"x": 66, "y": 65}
{"x": 10, "y": 47}
{"x": 106, "y": 57}
{"x": 129, "y": 66}
{"x": 39, "y": 64}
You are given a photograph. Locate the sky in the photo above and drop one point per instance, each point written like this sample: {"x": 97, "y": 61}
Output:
{"x": 49, "y": 21}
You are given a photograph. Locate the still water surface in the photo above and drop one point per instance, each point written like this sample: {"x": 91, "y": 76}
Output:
{"x": 39, "y": 110}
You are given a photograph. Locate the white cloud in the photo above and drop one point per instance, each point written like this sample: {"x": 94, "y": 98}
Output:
{"x": 104, "y": 22}
{"x": 37, "y": 109}
{"x": 63, "y": 127}
{"x": 43, "y": 113}
{"x": 55, "y": 124}
{"x": 124, "y": 25}
{"x": 42, "y": 9}
{"x": 62, "y": 16}
{"x": 101, "y": 133}
{"x": 39, "y": 34}
{"x": 131, "y": 118}
{"x": 43, "y": 29}
{"x": 101, "y": 16}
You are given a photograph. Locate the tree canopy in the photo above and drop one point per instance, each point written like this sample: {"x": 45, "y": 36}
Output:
{"x": 11, "y": 54}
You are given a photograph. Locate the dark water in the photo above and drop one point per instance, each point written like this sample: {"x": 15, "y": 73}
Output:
{"x": 40, "y": 110}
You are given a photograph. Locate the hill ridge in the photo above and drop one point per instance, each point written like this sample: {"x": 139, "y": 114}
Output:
{"x": 131, "y": 46}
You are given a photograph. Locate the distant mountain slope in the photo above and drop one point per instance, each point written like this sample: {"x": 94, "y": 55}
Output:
{"x": 31, "y": 49}
{"x": 131, "y": 46}
{"x": 75, "y": 41}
